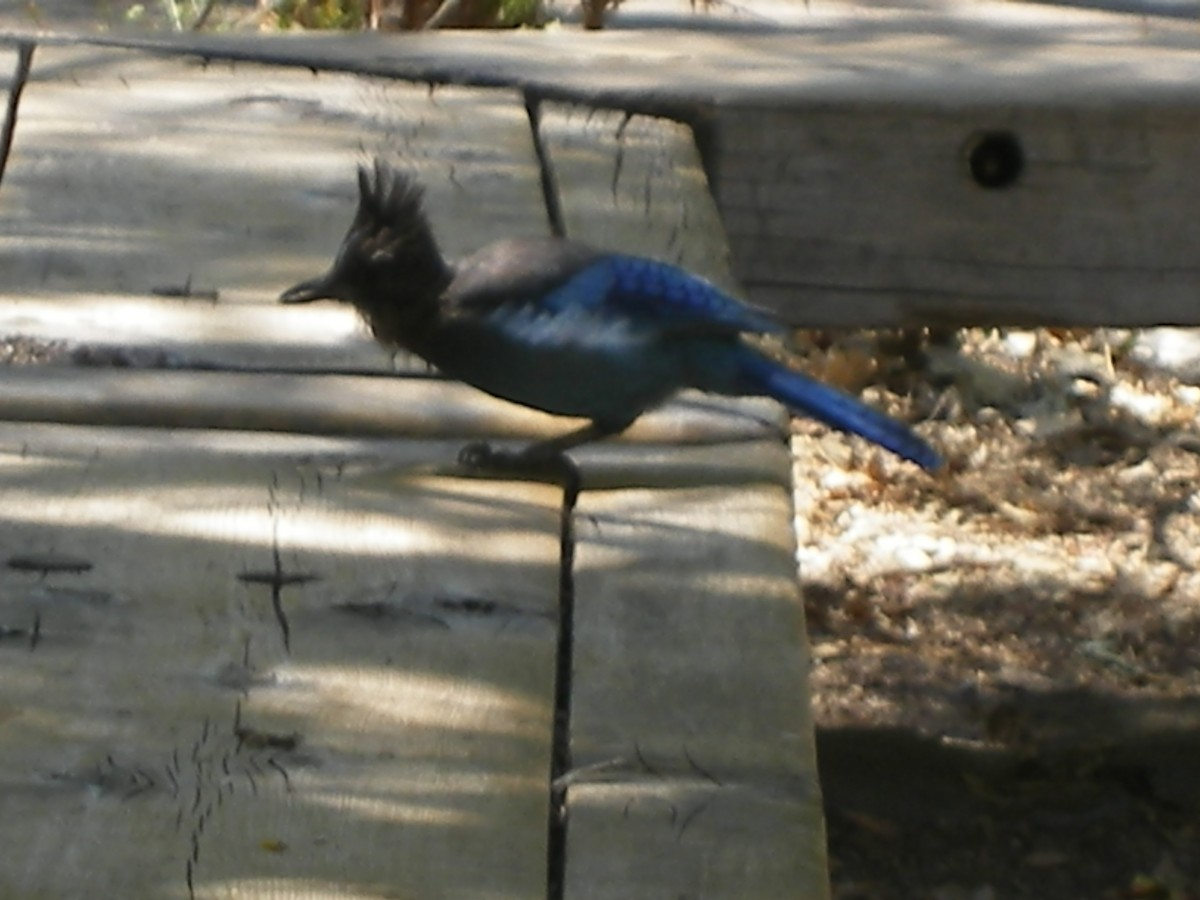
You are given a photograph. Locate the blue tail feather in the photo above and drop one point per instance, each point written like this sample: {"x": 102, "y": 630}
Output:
{"x": 835, "y": 408}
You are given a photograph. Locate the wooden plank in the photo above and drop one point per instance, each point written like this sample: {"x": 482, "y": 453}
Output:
{"x": 692, "y": 743}
{"x": 733, "y": 462}
{"x": 133, "y": 174}
{"x": 989, "y": 54}
{"x": 177, "y": 332}
{"x": 873, "y": 216}
{"x": 691, "y": 763}
{"x": 838, "y": 147}
{"x": 340, "y": 404}
{"x": 689, "y": 559}
{"x": 165, "y": 736}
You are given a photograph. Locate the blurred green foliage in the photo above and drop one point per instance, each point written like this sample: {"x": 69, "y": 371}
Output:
{"x": 353, "y": 14}
{"x": 326, "y": 14}
{"x": 515, "y": 13}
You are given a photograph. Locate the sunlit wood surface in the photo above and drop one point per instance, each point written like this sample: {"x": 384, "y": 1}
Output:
{"x": 874, "y": 164}
{"x": 259, "y": 635}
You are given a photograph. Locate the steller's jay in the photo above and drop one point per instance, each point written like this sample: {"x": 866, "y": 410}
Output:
{"x": 564, "y": 328}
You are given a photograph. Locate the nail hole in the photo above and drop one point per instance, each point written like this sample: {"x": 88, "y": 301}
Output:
{"x": 995, "y": 159}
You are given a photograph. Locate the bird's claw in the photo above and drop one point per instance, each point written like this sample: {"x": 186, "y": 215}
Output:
{"x": 480, "y": 455}
{"x": 555, "y": 467}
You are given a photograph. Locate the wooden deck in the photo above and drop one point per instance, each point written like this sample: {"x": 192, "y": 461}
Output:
{"x": 259, "y": 637}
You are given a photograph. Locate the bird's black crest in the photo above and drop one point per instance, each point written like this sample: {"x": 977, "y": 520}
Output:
{"x": 389, "y": 199}
{"x": 390, "y": 237}
{"x": 388, "y": 266}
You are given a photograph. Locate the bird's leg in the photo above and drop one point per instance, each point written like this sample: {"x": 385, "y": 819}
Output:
{"x": 540, "y": 462}
{"x": 481, "y": 454}
{"x": 592, "y": 431}
{"x": 544, "y": 459}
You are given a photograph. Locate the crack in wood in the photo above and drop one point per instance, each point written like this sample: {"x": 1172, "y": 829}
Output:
{"x": 285, "y": 629}
{"x": 15, "y": 632}
{"x": 557, "y": 469}
{"x": 220, "y": 755}
{"x": 254, "y": 739}
{"x": 274, "y": 764}
{"x": 19, "y": 79}
{"x": 174, "y": 782}
{"x": 277, "y": 578}
{"x": 619, "y": 156}
{"x": 560, "y": 751}
{"x": 382, "y": 611}
{"x": 554, "y": 213}
{"x": 700, "y": 770}
{"x": 45, "y": 563}
{"x": 691, "y": 816}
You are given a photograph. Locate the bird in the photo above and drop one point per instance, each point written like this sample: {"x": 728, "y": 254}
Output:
{"x": 562, "y": 327}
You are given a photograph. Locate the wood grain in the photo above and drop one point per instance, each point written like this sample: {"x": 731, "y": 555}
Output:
{"x": 163, "y": 727}
{"x": 835, "y": 143}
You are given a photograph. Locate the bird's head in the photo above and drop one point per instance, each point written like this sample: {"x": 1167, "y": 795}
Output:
{"x": 389, "y": 257}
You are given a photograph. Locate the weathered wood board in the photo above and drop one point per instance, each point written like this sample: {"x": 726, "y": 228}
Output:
{"x": 856, "y": 225}
{"x": 367, "y": 406}
{"x": 690, "y": 772}
{"x": 144, "y": 172}
{"x": 133, "y": 175}
{"x": 988, "y": 54}
{"x": 326, "y": 665}
{"x": 162, "y": 734}
{"x": 841, "y": 148}
{"x": 694, "y": 768}
{"x": 125, "y": 330}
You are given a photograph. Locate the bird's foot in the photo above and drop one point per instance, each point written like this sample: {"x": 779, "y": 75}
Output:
{"x": 532, "y": 463}
{"x": 481, "y": 455}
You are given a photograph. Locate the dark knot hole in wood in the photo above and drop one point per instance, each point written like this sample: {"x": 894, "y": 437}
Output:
{"x": 995, "y": 159}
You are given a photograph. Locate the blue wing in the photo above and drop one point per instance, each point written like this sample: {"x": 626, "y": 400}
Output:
{"x": 656, "y": 292}
{"x": 539, "y": 281}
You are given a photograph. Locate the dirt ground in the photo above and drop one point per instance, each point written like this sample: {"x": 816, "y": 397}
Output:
{"x": 1007, "y": 656}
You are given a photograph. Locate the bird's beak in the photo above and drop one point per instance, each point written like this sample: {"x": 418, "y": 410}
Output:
{"x": 319, "y": 288}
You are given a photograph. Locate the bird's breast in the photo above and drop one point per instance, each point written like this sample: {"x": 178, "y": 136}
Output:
{"x": 600, "y": 379}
